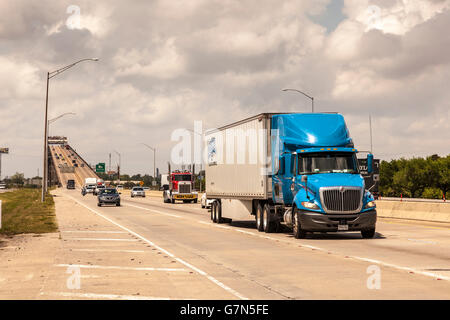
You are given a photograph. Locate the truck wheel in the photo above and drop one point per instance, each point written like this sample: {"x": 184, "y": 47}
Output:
{"x": 299, "y": 233}
{"x": 368, "y": 234}
{"x": 219, "y": 218}
{"x": 268, "y": 225}
{"x": 259, "y": 217}
{"x": 214, "y": 211}
{"x": 99, "y": 204}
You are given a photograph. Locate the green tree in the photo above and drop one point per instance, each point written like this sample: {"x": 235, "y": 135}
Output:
{"x": 18, "y": 179}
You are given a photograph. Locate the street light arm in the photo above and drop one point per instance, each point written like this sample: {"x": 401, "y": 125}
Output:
{"x": 60, "y": 116}
{"x": 298, "y": 92}
{"x": 61, "y": 70}
{"x": 148, "y": 146}
{"x": 306, "y": 95}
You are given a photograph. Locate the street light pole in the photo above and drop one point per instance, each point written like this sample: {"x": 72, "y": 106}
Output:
{"x": 312, "y": 98}
{"x": 201, "y": 135}
{"x": 49, "y": 76}
{"x": 154, "y": 159}
{"x": 44, "y": 172}
{"x": 120, "y": 164}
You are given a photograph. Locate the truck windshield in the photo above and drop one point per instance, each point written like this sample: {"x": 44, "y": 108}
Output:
{"x": 182, "y": 177}
{"x": 332, "y": 162}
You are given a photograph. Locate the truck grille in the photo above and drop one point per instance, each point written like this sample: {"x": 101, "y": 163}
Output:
{"x": 341, "y": 199}
{"x": 184, "y": 188}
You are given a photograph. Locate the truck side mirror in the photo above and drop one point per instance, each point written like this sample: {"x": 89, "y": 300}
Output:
{"x": 305, "y": 180}
{"x": 370, "y": 163}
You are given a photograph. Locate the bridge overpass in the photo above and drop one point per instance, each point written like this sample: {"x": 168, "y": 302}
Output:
{"x": 62, "y": 160}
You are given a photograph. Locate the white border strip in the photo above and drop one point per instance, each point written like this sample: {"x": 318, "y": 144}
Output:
{"x": 101, "y": 296}
{"x": 106, "y": 250}
{"x": 83, "y": 266}
{"x": 100, "y": 239}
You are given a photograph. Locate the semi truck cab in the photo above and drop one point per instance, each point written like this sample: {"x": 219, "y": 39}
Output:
{"x": 180, "y": 187}
{"x": 313, "y": 185}
{"x": 317, "y": 175}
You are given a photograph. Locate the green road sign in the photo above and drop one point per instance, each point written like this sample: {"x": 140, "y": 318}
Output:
{"x": 100, "y": 168}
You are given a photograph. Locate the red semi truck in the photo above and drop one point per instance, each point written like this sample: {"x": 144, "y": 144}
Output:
{"x": 179, "y": 186}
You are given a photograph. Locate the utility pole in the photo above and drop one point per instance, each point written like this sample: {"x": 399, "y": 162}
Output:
{"x": 154, "y": 159}
{"x": 119, "y": 165}
{"x": 370, "y": 126}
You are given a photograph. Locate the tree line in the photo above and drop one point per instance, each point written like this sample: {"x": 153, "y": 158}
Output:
{"x": 416, "y": 178}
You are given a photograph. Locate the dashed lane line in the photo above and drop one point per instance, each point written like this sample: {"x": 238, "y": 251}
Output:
{"x": 199, "y": 271}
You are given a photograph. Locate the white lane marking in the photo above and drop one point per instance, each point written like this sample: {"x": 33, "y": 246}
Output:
{"x": 121, "y": 268}
{"x": 156, "y": 211}
{"x": 102, "y": 296}
{"x": 386, "y": 264}
{"x": 100, "y": 239}
{"x": 217, "y": 282}
{"x": 422, "y": 241}
{"x": 106, "y": 250}
{"x": 88, "y": 231}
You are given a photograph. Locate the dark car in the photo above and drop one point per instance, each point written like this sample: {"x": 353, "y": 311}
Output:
{"x": 70, "y": 184}
{"x": 108, "y": 196}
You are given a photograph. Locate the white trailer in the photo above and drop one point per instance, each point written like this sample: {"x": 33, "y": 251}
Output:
{"x": 238, "y": 168}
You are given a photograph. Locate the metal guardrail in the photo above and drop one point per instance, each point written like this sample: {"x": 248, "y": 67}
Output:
{"x": 413, "y": 200}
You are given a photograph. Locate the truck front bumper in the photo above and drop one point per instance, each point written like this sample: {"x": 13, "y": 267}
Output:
{"x": 320, "y": 222}
{"x": 184, "y": 196}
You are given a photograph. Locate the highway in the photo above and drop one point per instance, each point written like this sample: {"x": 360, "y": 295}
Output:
{"x": 404, "y": 260}
{"x": 80, "y": 172}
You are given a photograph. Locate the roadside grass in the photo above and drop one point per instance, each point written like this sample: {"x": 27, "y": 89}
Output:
{"x": 23, "y": 212}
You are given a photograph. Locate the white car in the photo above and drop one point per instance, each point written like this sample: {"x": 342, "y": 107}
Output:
{"x": 206, "y": 203}
{"x": 137, "y": 192}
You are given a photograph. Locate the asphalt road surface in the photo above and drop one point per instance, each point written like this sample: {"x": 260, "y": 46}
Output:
{"x": 202, "y": 260}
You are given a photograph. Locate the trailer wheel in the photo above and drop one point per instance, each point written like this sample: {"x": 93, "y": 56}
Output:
{"x": 259, "y": 217}
{"x": 219, "y": 218}
{"x": 268, "y": 225}
{"x": 214, "y": 211}
{"x": 299, "y": 233}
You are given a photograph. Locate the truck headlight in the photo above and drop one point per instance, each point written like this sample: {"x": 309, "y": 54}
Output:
{"x": 370, "y": 204}
{"x": 310, "y": 205}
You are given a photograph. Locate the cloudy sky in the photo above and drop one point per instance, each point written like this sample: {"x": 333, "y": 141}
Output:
{"x": 164, "y": 64}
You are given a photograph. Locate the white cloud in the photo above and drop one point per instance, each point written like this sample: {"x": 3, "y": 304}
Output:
{"x": 164, "y": 64}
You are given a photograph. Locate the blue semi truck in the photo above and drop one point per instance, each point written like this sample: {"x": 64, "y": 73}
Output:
{"x": 296, "y": 169}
